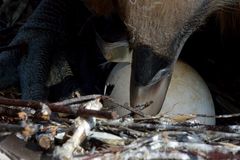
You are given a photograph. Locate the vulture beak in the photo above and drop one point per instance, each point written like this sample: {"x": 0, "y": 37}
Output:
{"x": 150, "y": 78}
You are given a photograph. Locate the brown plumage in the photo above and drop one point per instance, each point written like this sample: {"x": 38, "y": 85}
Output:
{"x": 160, "y": 29}
{"x": 157, "y": 22}
{"x": 229, "y": 18}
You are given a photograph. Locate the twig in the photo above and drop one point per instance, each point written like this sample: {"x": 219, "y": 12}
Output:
{"x": 78, "y": 100}
{"x": 110, "y": 103}
{"x": 228, "y": 115}
{"x": 45, "y": 141}
{"x": 43, "y": 114}
{"x": 57, "y": 107}
{"x": 83, "y": 128}
{"x": 107, "y": 138}
{"x": 10, "y": 128}
{"x": 101, "y": 154}
{"x": 133, "y": 110}
{"x": 214, "y": 116}
{"x": 99, "y": 114}
{"x": 143, "y": 106}
{"x": 9, "y": 112}
{"x": 20, "y": 103}
{"x": 220, "y": 131}
{"x": 132, "y": 132}
{"x": 146, "y": 119}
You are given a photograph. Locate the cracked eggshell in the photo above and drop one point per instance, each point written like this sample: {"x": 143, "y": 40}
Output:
{"x": 187, "y": 93}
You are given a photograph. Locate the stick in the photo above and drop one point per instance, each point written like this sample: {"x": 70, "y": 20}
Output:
{"x": 58, "y": 107}
{"x": 9, "y": 112}
{"x": 83, "y": 128}
{"x": 45, "y": 141}
{"x": 78, "y": 100}
{"x": 99, "y": 114}
{"x": 10, "y": 128}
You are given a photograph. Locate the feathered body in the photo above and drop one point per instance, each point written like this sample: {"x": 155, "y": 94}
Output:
{"x": 157, "y": 22}
{"x": 159, "y": 30}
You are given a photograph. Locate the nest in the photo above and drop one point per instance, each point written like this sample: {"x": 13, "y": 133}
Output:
{"x": 87, "y": 128}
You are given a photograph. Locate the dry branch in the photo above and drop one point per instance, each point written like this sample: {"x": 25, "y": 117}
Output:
{"x": 10, "y": 128}
{"x": 83, "y": 127}
{"x": 45, "y": 141}
{"x": 59, "y": 107}
{"x": 99, "y": 114}
{"x": 10, "y": 112}
{"x": 78, "y": 100}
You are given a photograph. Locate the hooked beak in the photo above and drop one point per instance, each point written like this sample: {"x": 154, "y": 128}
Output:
{"x": 150, "y": 78}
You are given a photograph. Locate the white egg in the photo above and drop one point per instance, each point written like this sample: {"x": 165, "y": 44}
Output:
{"x": 187, "y": 93}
